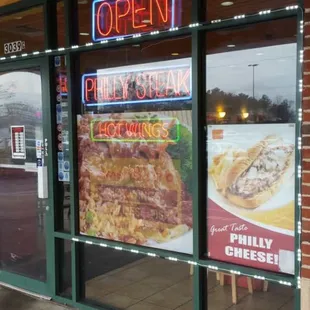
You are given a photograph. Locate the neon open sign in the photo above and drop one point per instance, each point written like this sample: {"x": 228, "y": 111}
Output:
{"x": 132, "y": 130}
{"x": 151, "y": 85}
{"x": 121, "y": 18}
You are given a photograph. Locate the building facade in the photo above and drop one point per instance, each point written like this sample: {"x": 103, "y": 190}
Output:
{"x": 152, "y": 149}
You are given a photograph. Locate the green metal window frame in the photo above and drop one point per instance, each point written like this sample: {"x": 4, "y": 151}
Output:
{"x": 72, "y": 51}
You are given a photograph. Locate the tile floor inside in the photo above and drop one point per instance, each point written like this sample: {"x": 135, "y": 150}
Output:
{"x": 154, "y": 284}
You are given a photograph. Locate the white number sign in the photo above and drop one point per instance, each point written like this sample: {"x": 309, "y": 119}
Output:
{"x": 14, "y": 47}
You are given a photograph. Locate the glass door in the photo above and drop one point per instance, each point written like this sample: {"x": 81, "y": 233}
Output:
{"x": 23, "y": 177}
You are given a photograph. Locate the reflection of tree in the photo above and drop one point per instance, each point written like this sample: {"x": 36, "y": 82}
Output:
{"x": 241, "y": 107}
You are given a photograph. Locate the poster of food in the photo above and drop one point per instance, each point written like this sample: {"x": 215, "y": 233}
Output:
{"x": 251, "y": 195}
{"x": 135, "y": 178}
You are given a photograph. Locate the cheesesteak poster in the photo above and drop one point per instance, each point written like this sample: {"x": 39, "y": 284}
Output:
{"x": 135, "y": 178}
{"x": 251, "y": 195}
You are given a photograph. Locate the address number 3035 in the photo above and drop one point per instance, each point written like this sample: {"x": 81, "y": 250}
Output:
{"x": 14, "y": 47}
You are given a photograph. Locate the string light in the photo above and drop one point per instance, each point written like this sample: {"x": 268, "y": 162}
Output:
{"x": 239, "y": 16}
{"x": 134, "y": 36}
{"x": 193, "y": 25}
{"x": 264, "y": 12}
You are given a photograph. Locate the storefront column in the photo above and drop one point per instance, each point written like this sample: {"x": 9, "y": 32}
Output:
{"x": 305, "y": 274}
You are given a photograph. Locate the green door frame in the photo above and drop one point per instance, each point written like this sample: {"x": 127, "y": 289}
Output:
{"x": 35, "y": 286}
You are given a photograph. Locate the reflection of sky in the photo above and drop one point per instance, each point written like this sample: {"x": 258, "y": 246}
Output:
{"x": 275, "y": 74}
{"x": 24, "y": 87}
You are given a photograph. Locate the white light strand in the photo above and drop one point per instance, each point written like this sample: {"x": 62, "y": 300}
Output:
{"x": 235, "y": 272}
{"x": 264, "y": 12}
{"x": 259, "y": 277}
{"x": 192, "y": 263}
{"x": 103, "y": 245}
{"x": 215, "y": 21}
{"x": 119, "y": 248}
{"x": 298, "y": 283}
{"x": 301, "y": 56}
{"x": 299, "y": 172}
{"x": 134, "y": 251}
{"x": 291, "y": 7}
{"x": 300, "y": 85}
{"x": 299, "y": 143}
{"x": 299, "y": 228}
{"x": 134, "y": 36}
{"x": 88, "y": 242}
{"x": 239, "y": 16}
{"x": 75, "y": 239}
{"x": 299, "y": 255}
{"x": 213, "y": 267}
{"x": 285, "y": 283}
{"x": 174, "y": 259}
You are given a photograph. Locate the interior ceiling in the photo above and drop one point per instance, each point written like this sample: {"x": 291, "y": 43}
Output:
{"x": 29, "y": 26}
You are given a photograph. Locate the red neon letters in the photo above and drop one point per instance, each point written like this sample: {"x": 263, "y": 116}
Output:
{"x": 124, "y": 17}
{"x": 146, "y": 86}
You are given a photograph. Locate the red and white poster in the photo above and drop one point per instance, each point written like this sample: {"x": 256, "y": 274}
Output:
{"x": 251, "y": 186}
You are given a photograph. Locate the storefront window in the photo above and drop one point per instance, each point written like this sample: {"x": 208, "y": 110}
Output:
{"x": 22, "y": 32}
{"x": 99, "y": 20}
{"x": 61, "y": 23}
{"x": 64, "y": 272}
{"x": 228, "y": 9}
{"x": 135, "y": 149}
{"x": 7, "y": 2}
{"x": 129, "y": 281}
{"x": 251, "y": 112}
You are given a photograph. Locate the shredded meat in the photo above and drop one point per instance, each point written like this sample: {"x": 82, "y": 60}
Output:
{"x": 264, "y": 172}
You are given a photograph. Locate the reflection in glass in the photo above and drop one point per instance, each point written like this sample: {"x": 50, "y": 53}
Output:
{"x": 65, "y": 270}
{"x": 128, "y": 18}
{"x": 25, "y": 29}
{"x": 123, "y": 280}
{"x": 228, "y": 9}
{"x": 252, "y": 81}
{"x": 22, "y": 214}
{"x": 135, "y": 166}
{"x": 251, "y": 112}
